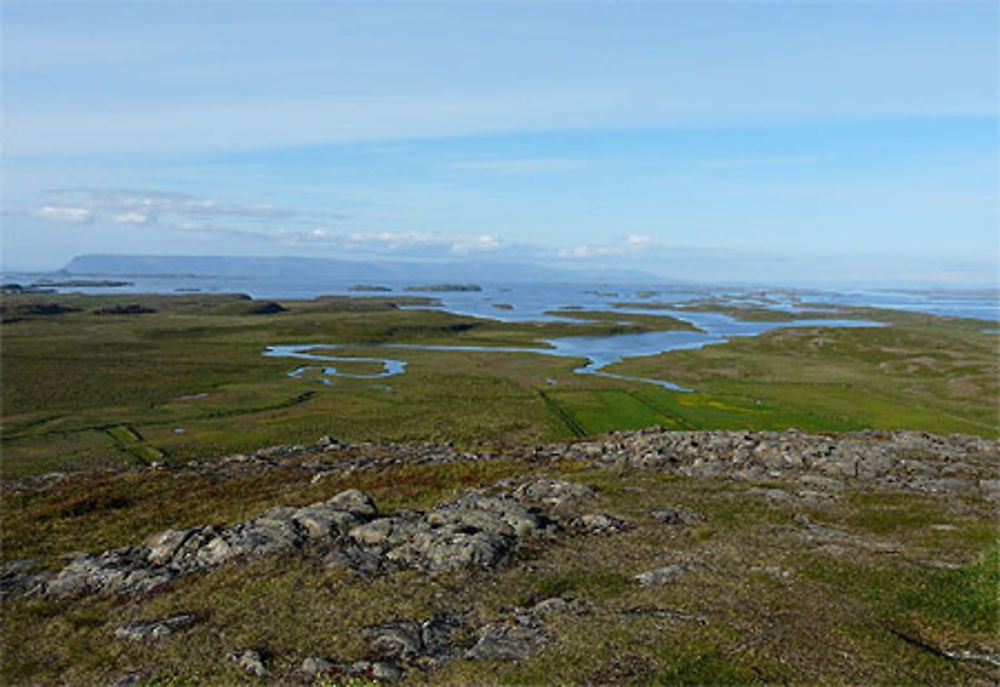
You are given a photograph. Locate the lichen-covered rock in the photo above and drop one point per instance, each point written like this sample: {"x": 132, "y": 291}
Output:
{"x": 676, "y": 516}
{"x": 520, "y": 632}
{"x": 658, "y": 576}
{"x": 909, "y": 460}
{"x": 354, "y": 501}
{"x": 20, "y": 577}
{"x": 400, "y": 639}
{"x": 118, "y": 570}
{"x": 545, "y": 492}
{"x": 472, "y": 531}
{"x": 597, "y": 523}
{"x": 377, "y": 670}
{"x": 168, "y": 554}
{"x": 509, "y": 639}
{"x": 154, "y": 630}
{"x": 322, "y": 521}
{"x": 250, "y": 661}
{"x": 314, "y": 665}
{"x": 424, "y": 643}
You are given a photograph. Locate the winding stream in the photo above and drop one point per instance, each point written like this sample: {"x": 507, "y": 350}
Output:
{"x": 599, "y": 351}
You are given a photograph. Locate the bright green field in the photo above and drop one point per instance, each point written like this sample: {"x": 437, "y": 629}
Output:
{"x": 82, "y": 390}
{"x": 921, "y": 372}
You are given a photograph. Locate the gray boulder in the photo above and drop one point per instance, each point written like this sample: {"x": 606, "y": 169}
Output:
{"x": 250, "y": 661}
{"x": 676, "y": 516}
{"x": 660, "y": 576}
{"x": 154, "y": 630}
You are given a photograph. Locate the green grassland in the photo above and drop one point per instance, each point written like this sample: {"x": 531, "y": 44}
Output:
{"x": 653, "y": 323}
{"x": 761, "y": 603}
{"x": 919, "y": 372}
{"x": 740, "y": 312}
{"x": 82, "y": 390}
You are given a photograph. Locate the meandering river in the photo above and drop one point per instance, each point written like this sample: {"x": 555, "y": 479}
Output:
{"x": 600, "y": 352}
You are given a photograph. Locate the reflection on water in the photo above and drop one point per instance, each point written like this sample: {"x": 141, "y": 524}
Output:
{"x": 599, "y": 351}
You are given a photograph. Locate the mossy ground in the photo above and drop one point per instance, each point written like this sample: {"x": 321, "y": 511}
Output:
{"x": 762, "y": 602}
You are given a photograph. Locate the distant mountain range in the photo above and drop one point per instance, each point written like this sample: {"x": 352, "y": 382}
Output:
{"x": 329, "y": 269}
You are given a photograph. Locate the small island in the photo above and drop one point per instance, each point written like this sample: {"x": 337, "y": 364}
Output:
{"x": 369, "y": 287}
{"x": 125, "y": 309}
{"x": 18, "y": 288}
{"x": 445, "y": 287}
{"x": 103, "y": 283}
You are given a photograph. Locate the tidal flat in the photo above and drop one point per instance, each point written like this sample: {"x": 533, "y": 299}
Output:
{"x": 181, "y": 377}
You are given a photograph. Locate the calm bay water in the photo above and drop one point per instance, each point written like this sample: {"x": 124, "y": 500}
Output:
{"x": 543, "y": 301}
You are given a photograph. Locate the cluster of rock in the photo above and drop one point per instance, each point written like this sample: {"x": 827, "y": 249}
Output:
{"x": 475, "y": 530}
{"x": 397, "y": 647}
{"x": 915, "y": 461}
{"x": 904, "y": 460}
{"x": 403, "y": 645}
{"x": 483, "y": 528}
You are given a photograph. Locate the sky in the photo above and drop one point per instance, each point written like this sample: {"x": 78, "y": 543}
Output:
{"x": 772, "y": 142}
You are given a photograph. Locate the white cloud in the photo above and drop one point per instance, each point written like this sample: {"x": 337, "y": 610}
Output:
{"x": 59, "y": 213}
{"x": 120, "y": 201}
{"x": 130, "y": 218}
{"x": 388, "y": 240}
{"x": 485, "y": 242}
{"x": 633, "y": 245}
{"x": 585, "y": 251}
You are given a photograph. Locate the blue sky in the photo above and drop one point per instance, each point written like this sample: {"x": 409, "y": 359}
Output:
{"x": 806, "y": 142}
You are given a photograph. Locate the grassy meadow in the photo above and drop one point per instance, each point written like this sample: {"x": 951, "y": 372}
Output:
{"x": 188, "y": 380}
{"x": 761, "y": 603}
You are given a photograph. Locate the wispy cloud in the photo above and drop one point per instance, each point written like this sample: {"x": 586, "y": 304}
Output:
{"x": 633, "y": 245}
{"x": 130, "y": 218}
{"x": 64, "y": 213}
{"x": 639, "y": 240}
{"x": 414, "y": 243}
{"x": 170, "y": 211}
{"x": 123, "y": 201}
{"x": 475, "y": 244}
{"x": 586, "y": 251}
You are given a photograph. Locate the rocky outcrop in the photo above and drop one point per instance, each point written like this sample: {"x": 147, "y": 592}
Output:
{"x": 916, "y": 461}
{"x": 475, "y": 530}
{"x": 521, "y": 631}
{"x": 482, "y": 528}
{"x": 821, "y": 463}
{"x": 397, "y": 647}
